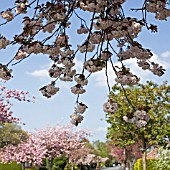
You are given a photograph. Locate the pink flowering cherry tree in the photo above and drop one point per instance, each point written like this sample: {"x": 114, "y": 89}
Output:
{"x": 6, "y": 114}
{"x": 46, "y": 143}
{"x": 108, "y": 36}
{"x": 61, "y": 139}
{"x": 31, "y": 151}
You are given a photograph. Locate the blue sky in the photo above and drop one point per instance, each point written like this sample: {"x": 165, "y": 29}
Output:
{"x": 32, "y": 74}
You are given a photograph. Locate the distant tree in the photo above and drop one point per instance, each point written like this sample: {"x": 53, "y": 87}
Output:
{"x": 103, "y": 149}
{"x": 11, "y": 133}
{"x": 82, "y": 156}
{"x": 139, "y": 114}
{"x": 118, "y": 153}
{"x": 127, "y": 154}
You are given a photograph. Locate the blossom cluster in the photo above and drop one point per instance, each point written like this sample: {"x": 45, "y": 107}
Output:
{"x": 94, "y": 65}
{"x": 3, "y": 42}
{"x": 5, "y": 73}
{"x": 21, "y": 7}
{"x": 77, "y": 116}
{"x": 159, "y": 8}
{"x": 140, "y": 118}
{"x": 8, "y": 15}
{"x": 125, "y": 77}
{"x": 49, "y": 90}
{"x": 133, "y": 150}
{"x": 82, "y": 30}
{"x": 110, "y": 106}
{"x": 105, "y": 55}
{"x": 80, "y": 79}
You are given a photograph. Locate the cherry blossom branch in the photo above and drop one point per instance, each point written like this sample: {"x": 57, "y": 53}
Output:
{"x": 107, "y": 78}
{"x": 122, "y": 87}
{"x": 16, "y": 14}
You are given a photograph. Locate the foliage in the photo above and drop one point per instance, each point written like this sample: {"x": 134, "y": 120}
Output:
{"x": 60, "y": 162}
{"x": 71, "y": 167}
{"x": 145, "y": 119}
{"x": 103, "y": 149}
{"x": 163, "y": 161}
{"x": 11, "y": 133}
{"x": 108, "y": 34}
{"x": 150, "y": 164}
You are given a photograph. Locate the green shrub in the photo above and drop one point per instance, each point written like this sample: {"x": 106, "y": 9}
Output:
{"x": 69, "y": 167}
{"x": 59, "y": 162}
{"x": 42, "y": 168}
{"x": 150, "y": 164}
{"x": 10, "y": 166}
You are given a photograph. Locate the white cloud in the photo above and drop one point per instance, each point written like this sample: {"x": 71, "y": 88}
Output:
{"x": 101, "y": 129}
{"x": 165, "y": 54}
{"x": 163, "y": 59}
{"x": 78, "y": 64}
{"x": 42, "y": 73}
{"x": 100, "y": 77}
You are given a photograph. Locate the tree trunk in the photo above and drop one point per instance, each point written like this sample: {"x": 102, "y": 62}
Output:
{"x": 72, "y": 166}
{"x": 128, "y": 160}
{"x": 129, "y": 164}
{"x": 81, "y": 166}
{"x": 50, "y": 164}
{"x": 144, "y": 152}
{"x": 144, "y": 160}
{"x": 23, "y": 165}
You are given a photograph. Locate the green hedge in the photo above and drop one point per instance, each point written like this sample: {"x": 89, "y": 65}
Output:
{"x": 14, "y": 166}
{"x": 150, "y": 164}
{"x": 10, "y": 166}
